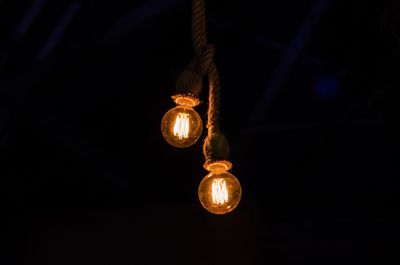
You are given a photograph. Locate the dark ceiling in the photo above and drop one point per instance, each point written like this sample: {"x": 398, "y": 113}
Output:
{"x": 309, "y": 103}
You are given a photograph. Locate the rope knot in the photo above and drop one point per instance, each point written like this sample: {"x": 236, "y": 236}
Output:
{"x": 190, "y": 82}
{"x": 215, "y": 148}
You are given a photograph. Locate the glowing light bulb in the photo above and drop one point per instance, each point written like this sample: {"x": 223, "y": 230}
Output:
{"x": 182, "y": 126}
{"x": 219, "y": 191}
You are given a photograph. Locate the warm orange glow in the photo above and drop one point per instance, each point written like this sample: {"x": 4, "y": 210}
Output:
{"x": 181, "y": 127}
{"x": 186, "y": 101}
{"x": 219, "y": 165}
{"x": 219, "y": 191}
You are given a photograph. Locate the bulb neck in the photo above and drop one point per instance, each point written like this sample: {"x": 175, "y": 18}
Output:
{"x": 186, "y": 100}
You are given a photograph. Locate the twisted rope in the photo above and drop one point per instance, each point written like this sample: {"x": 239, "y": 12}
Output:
{"x": 199, "y": 27}
{"x": 190, "y": 82}
{"x": 215, "y": 146}
{"x": 213, "y": 100}
{"x": 204, "y": 56}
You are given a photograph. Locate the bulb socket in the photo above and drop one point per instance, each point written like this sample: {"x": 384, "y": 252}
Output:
{"x": 216, "y": 152}
{"x": 189, "y": 83}
{"x": 186, "y": 100}
{"x": 223, "y": 165}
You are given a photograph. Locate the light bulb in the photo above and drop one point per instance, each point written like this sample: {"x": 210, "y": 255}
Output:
{"x": 182, "y": 126}
{"x": 219, "y": 191}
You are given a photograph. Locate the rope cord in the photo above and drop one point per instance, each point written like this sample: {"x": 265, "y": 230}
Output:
{"x": 204, "y": 55}
{"x": 190, "y": 82}
{"x": 216, "y": 146}
{"x": 199, "y": 27}
{"x": 213, "y": 99}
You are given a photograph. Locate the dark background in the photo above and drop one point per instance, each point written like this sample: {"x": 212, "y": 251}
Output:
{"x": 309, "y": 103}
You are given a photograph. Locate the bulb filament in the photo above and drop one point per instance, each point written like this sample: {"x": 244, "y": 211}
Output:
{"x": 181, "y": 127}
{"x": 219, "y": 191}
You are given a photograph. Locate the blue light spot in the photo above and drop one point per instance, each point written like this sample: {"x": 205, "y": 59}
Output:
{"x": 326, "y": 87}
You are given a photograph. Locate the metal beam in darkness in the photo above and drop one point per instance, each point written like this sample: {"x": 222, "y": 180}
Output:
{"x": 28, "y": 18}
{"x": 289, "y": 59}
{"x": 137, "y": 17}
{"x": 58, "y": 30}
{"x": 16, "y": 90}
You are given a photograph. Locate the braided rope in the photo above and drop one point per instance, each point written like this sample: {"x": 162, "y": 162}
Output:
{"x": 216, "y": 147}
{"x": 213, "y": 99}
{"x": 190, "y": 82}
{"x": 199, "y": 27}
{"x": 205, "y": 54}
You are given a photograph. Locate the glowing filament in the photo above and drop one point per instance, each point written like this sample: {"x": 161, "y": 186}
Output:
{"x": 219, "y": 191}
{"x": 181, "y": 127}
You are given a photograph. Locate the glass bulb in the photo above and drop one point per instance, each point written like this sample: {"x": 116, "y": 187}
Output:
{"x": 181, "y": 126}
{"x": 220, "y": 192}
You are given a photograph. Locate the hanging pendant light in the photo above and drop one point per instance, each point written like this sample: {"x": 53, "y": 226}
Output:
{"x": 219, "y": 192}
